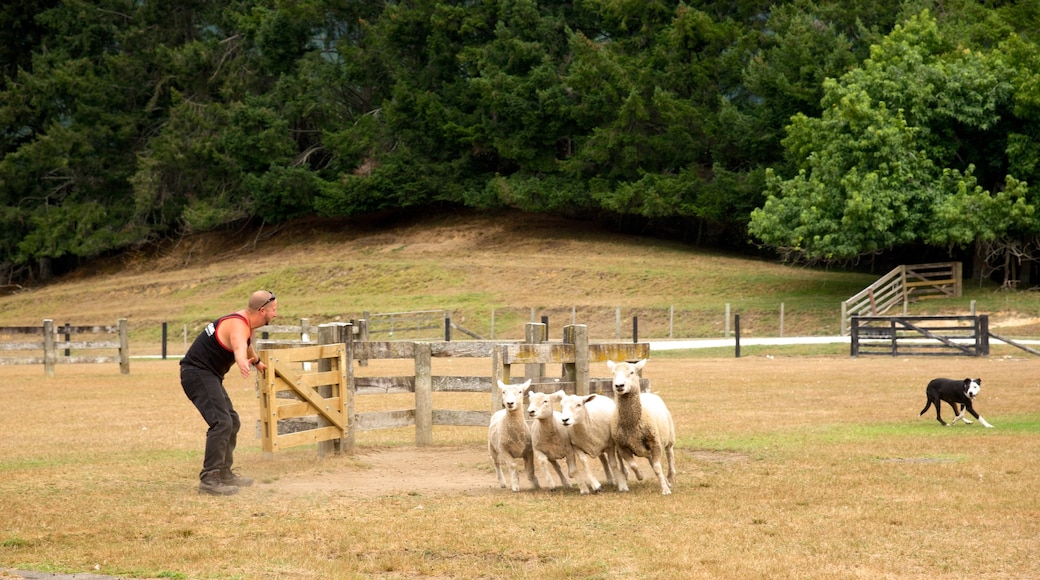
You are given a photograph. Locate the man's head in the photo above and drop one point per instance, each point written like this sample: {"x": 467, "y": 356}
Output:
{"x": 264, "y": 303}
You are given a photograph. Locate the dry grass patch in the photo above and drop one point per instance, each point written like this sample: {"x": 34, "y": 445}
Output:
{"x": 790, "y": 467}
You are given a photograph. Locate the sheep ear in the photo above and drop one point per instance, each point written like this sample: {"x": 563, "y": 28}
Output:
{"x": 525, "y": 385}
{"x": 610, "y": 365}
{"x": 502, "y": 385}
{"x": 588, "y": 398}
{"x": 639, "y": 365}
{"x": 558, "y": 395}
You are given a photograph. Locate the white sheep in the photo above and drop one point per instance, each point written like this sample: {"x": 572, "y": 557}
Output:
{"x": 643, "y": 425}
{"x": 549, "y": 438}
{"x": 588, "y": 419}
{"x": 509, "y": 437}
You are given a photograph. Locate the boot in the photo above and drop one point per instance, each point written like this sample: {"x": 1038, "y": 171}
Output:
{"x": 227, "y": 477}
{"x": 211, "y": 484}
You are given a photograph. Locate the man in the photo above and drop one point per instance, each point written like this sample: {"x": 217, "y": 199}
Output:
{"x": 224, "y": 343}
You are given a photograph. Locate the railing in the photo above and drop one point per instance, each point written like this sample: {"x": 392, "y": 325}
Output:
{"x": 920, "y": 335}
{"x": 900, "y": 286}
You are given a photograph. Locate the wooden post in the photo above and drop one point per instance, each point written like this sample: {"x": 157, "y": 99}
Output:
{"x": 361, "y": 334}
{"x": 268, "y": 407}
{"x": 336, "y": 333}
{"x": 853, "y": 335}
{"x": 982, "y": 335}
{"x": 349, "y": 335}
{"x": 578, "y": 335}
{"x": 326, "y": 335}
{"x": 534, "y": 334}
{"x": 49, "y": 355}
{"x": 124, "y": 347}
{"x": 736, "y": 329}
{"x": 499, "y": 372}
{"x": 423, "y": 395}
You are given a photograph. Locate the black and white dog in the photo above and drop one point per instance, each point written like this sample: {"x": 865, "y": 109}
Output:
{"x": 957, "y": 394}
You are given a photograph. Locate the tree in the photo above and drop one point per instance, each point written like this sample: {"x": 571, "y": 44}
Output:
{"x": 893, "y": 159}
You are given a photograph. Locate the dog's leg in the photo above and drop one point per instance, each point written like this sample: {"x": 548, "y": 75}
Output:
{"x": 971, "y": 409}
{"x": 959, "y": 410}
{"x": 938, "y": 414}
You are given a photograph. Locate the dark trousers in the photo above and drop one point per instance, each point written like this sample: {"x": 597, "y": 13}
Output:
{"x": 206, "y": 391}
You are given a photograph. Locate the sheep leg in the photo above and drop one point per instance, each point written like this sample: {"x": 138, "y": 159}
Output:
{"x": 586, "y": 479}
{"x": 543, "y": 461}
{"x": 497, "y": 462}
{"x": 564, "y": 481}
{"x": 670, "y": 453}
{"x": 606, "y": 468}
{"x": 624, "y": 461}
{"x": 529, "y": 463}
{"x": 514, "y": 474}
{"x": 655, "y": 462}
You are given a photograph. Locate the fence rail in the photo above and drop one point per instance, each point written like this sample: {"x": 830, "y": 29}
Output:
{"x": 920, "y": 335}
{"x": 574, "y": 354}
{"x": 55, "y": 345}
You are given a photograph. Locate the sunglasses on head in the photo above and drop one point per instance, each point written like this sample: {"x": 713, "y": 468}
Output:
{"x": 269, "y": 300}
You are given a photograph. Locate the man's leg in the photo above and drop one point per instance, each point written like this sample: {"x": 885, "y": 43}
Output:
{"x": 207, "y": 393}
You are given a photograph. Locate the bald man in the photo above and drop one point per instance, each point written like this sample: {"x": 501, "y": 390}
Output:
{"x": 224, "y": 343}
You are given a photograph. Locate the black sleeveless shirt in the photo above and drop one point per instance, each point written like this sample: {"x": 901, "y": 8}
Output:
{"x": 207, "y": 352}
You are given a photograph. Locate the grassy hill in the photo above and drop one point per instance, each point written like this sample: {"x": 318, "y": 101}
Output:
{"x": 509, "y": 266}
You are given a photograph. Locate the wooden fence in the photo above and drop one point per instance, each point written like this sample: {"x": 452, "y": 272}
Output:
{"x": 50, "y": 345}
{"x": 920, "y": 335}
{"x": 901, "y": 286}
{"x": 574, "y": 354}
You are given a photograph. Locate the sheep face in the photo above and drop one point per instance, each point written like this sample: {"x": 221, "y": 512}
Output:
{"x": 513, "y": 395}
{"x": 626, "y": 376}
{"x": 541, "y": 406}
{"x": 572, "y": 408}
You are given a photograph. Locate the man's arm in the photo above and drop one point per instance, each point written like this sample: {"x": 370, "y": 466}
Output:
{"x": 239, "y": 334}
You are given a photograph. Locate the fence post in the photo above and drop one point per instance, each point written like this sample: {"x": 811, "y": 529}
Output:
{"x": 49, "y": 356}
{"x": 67, "y": 331}
{"x": 423, "y": 395}
{"x": 336, "y": 333}
{"x": 635, "y": 329}
{"x": 326, "y": 335}
{"x": 844, "y": 318}
{"x": 164, "y": 329}
{"x": 124, "y": 347}
{"x": 578, "y": 372}
{"x": 736, "y": 329}
{"x": 447, "y": 329}
{"x": 534, "y": 334}
{"x": 500, "y": 371}
{"x": 853, "y": 335}
{"x": 982, "y": 336}
{"x": 348, "y": 334}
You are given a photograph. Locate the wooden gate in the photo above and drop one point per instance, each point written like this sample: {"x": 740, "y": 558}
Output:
{"x": 324, "y": 393}
{"x": 920, "y": 335}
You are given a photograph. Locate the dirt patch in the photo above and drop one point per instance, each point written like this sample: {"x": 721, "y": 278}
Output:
{"x": 401, "y": 470}
{"x": 438, "y": 470}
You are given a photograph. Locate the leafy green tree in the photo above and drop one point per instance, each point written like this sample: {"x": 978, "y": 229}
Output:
{"x": 892, "y": 159}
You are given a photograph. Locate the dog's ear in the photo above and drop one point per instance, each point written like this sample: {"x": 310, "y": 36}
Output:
{"x": 967, "y": 383}
{"x": 978, "y": 382}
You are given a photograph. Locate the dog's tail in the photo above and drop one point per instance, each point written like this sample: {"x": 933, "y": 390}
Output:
{"x": 926, "y": 407}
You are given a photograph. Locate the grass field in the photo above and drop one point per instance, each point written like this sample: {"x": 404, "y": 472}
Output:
{"x": 794, "y": 462}
{"x": 789, "y": 467}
